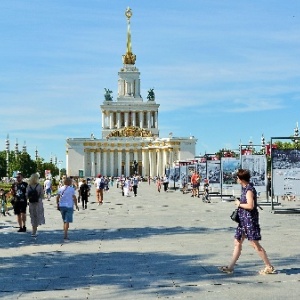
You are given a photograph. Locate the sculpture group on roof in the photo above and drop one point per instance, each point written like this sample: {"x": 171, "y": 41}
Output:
{"x": 107, "y": 95}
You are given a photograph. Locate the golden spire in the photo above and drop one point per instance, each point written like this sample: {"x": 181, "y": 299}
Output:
{"x": 129, "y": 57}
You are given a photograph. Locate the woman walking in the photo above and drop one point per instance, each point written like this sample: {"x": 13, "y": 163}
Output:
{"x": 248, "y": 226}
{"x": 35, "y": 193}
{"x": 66, "y": 200}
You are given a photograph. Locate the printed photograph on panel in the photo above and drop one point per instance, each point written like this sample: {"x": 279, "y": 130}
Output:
{"x": 286, "y": 173}
{"x": 214, "y": 171}
{"x": 257, "y": 165}
{"x": 230, "y": 165}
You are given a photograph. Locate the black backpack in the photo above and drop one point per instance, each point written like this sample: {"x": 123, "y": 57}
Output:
{"x": 33, "y": 195}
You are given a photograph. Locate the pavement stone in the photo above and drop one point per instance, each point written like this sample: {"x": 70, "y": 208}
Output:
{"x": 154, "y": 246}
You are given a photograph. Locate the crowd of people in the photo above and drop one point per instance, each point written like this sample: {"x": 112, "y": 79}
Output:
{"x": 71, "y": 192}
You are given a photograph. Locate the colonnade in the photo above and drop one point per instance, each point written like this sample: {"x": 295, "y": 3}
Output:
{"x": 119, "y": 119}
{"x": 116, "y": 161}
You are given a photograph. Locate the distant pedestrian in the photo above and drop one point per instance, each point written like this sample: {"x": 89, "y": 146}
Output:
{"x": 248, "y": 226}
{"x": 66, "y": 200}
{"x": 135, "y": 182}
{"x": 166, "y": 183}
{"x": 36, "y": 209}
{"x": 84, "y": 193}
{"x": 48, "y": 188}
{"x": 126, "y": 187}
{"x": 3, "y": 204}
{"x": 158, "y": 184}
{"x": 18, "y": 190}
{"x": 99, "y": 184}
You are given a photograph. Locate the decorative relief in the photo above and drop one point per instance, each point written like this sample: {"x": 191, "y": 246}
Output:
{"x": 130, "y": 131}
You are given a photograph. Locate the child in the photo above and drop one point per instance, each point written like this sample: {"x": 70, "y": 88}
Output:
{"x": 3, "y": 202}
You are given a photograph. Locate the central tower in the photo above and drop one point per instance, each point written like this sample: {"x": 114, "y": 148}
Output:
{"x": 129, "y": 110}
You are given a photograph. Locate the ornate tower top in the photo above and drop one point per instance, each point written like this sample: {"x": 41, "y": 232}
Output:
{"x": 129, "y": 58}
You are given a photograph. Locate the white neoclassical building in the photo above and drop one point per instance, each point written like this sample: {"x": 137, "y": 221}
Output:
{"x": 130, "y": 132}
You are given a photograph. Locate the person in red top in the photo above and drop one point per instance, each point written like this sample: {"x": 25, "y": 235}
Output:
{"x": 195, "y": 181}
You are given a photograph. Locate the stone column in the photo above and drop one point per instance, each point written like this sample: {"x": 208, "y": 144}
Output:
{"x": 158, "y": 162}
{"x": 112, "y": 163}
{"x": 119, "y": 163}
{"x": 141, "y": 119}
{"x": 150, "y": 162}
{"x": 148, "y": 119}
{"x": 98, "y": 161}
{"x": 133, "y": 118}
{"x": 103, "y": 119}
{"x": 118, "y": 120}
{"x": 126, "y": 119}
{"x": 156, "y": 119}
{"x": 104, "y": 162}
{"x": 111, "y": 121}
{"x": 92, "y": 154}
{"x": 127, "y": 163}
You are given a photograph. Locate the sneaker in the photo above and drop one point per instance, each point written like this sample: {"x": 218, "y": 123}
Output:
{"x": 226, "y": 270}
{"x": 20, "y": 230}
{"x": 268, "y": 270}
{"x": 24, "y": 229}
{"x": 34, "y": 235}
{"x": 66, "y": 240}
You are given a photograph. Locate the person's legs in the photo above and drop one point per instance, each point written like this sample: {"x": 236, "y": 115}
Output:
{"x": 98, "y": 195}
{"x": 19, "y": 220}
{"x": 101, "y": 195}
{"x": 261, "y": 252}
{"x": 66, "y": 228}
{"x": 236, "y": 252}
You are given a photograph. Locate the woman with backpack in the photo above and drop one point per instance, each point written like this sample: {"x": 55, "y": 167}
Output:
{"x": 34, "y": 194}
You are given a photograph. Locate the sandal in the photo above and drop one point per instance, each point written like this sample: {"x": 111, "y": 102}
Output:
{"x": 267, "y": 270}
{"x": 226, "y": 270}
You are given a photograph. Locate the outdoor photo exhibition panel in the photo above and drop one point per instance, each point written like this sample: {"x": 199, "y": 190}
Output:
{"x": 257, "y": 165}
{"x": 230, "y": 166}
{"x": 286, "y": 172}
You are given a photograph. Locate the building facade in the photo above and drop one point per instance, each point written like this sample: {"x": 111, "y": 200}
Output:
{"x": 130, "y": 133}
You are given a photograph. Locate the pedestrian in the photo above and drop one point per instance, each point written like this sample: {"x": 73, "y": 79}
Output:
{"x": 194, "y": 184}
{"x": 248, "y": 226}
{"x": 126, "y": 187}
{"x": 135, "y": 182}
{"x": 79, "y": 193}
{"x": 36, "y": 209}
{"x": 166, "y": 182}
{"x": 158, "y": 184}
{"x": 65, "y": 201}
{"x": 3, "y": 199}
{"x": 84, "y": 193}
{"x": 48, "y": 188}
{"x": 99, "y": 184}
{"x": 19, "y": 202}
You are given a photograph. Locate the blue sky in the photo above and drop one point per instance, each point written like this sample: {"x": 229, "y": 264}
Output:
{"x": 222, "y": 71}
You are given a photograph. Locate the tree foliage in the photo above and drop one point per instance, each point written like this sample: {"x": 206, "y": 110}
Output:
{"x": 23, "y": 163}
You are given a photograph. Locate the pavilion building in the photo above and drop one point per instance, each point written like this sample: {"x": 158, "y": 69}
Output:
{"x": 130, "y": 133}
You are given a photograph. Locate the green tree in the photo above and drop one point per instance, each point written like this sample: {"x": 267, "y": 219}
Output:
{"x": 2, "y": 164}
{"x": 23, "y": 163}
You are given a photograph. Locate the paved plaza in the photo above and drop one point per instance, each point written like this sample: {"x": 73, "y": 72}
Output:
{"x": 154, "y": 246}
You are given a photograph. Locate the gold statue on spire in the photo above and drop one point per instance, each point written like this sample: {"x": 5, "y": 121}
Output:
{"x": 129, "y": 58}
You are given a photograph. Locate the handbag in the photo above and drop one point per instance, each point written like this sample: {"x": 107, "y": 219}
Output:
{"x": 234, "y": 216}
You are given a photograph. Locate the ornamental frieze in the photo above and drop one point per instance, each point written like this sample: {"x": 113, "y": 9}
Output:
{"x": 130, "y": 131}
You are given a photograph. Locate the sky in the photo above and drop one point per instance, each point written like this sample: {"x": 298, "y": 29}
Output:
{"x": 225, "y": 72}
